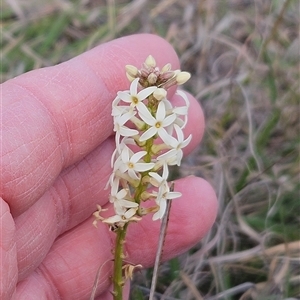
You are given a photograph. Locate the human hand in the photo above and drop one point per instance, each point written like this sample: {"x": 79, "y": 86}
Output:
{"x": 55, "y": 161}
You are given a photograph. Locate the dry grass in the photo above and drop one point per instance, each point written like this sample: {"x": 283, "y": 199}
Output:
{"x": 244, "y": 58}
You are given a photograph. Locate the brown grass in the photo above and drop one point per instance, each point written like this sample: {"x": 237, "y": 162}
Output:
{"x": 244, "y": 60}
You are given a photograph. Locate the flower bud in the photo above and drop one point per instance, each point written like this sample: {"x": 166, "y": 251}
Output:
{"x": 130, "y": 78}
{"x": 166, "y": 68}
{"x": 160, "y": 94}
{"x": 150, "y": 61}
{"x": 152, "y": 78}
{"x": 132, "y": 70}
{"x": 167, "y": 76}
{"x": 182, "y": 77}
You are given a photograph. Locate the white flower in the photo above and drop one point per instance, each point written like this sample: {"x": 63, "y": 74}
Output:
{"x": 121, "y": 129}
{"x": 182, "y": 110}
{"x": 129, "y": 162}
{"x": 118, "y": 110}
{"x": 174, "y": 156}
{"x": 118, "y": 198}
{"x": 120, "y": 204}
{"x": 116, "y": 160}
{"x": 124, "y": 209}
{"x": 120, "y": 220}
{"x": 134, "y": 97}
{"x": 160, "y": 179}
{"x": 179, "y": 111}
{"x": 115, "y": 156}
{"x": 163, "y": 193}
{"x": 157, "y": 124}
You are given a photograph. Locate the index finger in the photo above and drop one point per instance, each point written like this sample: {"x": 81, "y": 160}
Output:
{"x": 54, "y": 116}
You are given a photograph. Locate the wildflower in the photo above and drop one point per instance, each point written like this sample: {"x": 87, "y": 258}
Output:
{"x": 134, "y": 97}
{"x": 121, "y": 129}
{"x": 175, "y": 155}
{"x": 157, "y": 123}
{"x": 163, "y": 193}
{"x": 121, "y": 219}
{"x": 130, "y": 162}
{"x": 141, "y": 115}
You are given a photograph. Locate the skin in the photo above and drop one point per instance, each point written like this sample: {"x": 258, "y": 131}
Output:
{"x": 57, "y": 141}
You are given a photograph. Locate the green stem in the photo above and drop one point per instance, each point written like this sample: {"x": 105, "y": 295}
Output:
{"x": 118, "y": 278}
{"x": 118, "y": 281}
{"x": 148, "y": 146}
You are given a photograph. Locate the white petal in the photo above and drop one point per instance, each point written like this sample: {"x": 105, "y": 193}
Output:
{"x": 125, "y": 131}
{"x": 122, "y": 167}
{"x": 169, "y": 157}
{"x": 181, "y": 123}
{"x": 118, "y": 163}
{"x": 142, "y": 167}
{"x": 121, "y": 120}
{"x": 167, "y": 139}
{"x": 128, "y": 141}
{"x": 161, "y": 111}
{"x": 117, "y": 140}
{"x": 182, "y": 110}
{"x": 134, "y": 87}
{"x": 162, "y": 208}
{"x": 125, "y": 97}
{"x": 157, "y": 178}
{"x": 143, "y": 109}
{"x": 113, "y": 157}
{"x": 172, "y": 141}
{"x": 168, "y": 104}
{"x": 179, "y": 157}
{"x": 133, "y": 174}
{"x": 137, "y": 156}
{"x": 165, "y": 174}
{"x": 186, "y": 142}
{"x": 179, "y": 133}
{"x": 130, "y": 213}
{"x": 119, "y": 210}
{"x": 121, "y": 194}
{"x": 173, "y": 195}
{"x": 116, "y": 101}
{"x": 184, "y": 96}
{"x": 143, "y": 94}
{"x": 112, "y": 220}
{"x": 115, "y": 186}
{"x": 127, "y": 204}
{"x": 125, "y": 154}
{"x": 146, "y": 115}
{"x": 156, "y": 216}
{"x": 169, "y": 120}
{"x": 148, "y": 134}
{"x": 109, "y": 181}
{"x": 118, "y": 111}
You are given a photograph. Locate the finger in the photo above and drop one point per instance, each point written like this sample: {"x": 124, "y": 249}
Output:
{"x": 73, "y": 198}
{"x": 72, "y": 263}
{"x": 191, "y": 217}
{"x": 54, "y": 116}
{"x": 8, "y": 253}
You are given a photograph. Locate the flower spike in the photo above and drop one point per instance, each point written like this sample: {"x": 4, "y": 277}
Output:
{"x": 149, "y": 137}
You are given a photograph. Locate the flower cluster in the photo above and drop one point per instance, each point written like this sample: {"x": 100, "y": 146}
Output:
{"x": 149, "y": 137}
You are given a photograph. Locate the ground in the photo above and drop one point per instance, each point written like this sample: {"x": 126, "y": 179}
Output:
{"x": 244, "y": 59}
